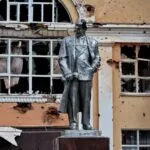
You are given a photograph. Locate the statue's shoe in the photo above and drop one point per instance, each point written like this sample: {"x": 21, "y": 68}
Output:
{"x": 73, "y": 126}
{"x": 87, "y": 127}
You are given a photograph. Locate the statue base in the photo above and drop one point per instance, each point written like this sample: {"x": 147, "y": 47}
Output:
{"x": 81, "y": 133}
{"x": 81, "y": 139}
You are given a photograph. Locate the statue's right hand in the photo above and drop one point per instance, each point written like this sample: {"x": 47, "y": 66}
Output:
{"x": 69, "y": 77}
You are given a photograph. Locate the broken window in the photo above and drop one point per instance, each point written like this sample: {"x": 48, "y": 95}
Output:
{"x": 30, "y": 67}
{"x": 33, "y": 11}
{"x": 135, "y": 68}
{"x": 135, "y": 139}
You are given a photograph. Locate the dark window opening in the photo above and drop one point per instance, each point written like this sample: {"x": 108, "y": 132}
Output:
{"x": 144, "y": 137}
{"x": 47, "y": 13}
{"x": 18, "y": 0}
{"x": 128, "y": 85}
{"x": 21, "y": 87}
{"x": 3, "y": 47}
{"x": 61, "y": 13}
{"x": 144, "y": 85}
{"x": 56, "y": 47}
{"x": 24, "y": 13}
{"x": 41, "y": 66}
{"x": 3, "y": 88}
{"x": 3, "y": 10}
{"x": 41, "y": 85}
{"x": 57, "y": 86}
{"x": 129, "y": 137}
{"x": 42, "y": 1}
{"x": 13, "y": 12}
{"x": 40, "y": 48}
{"x": 128, "y": 52}
{"x": 128, "y": 68}
{"x": 144, "y": 52}
{"x": 36, "y": 12}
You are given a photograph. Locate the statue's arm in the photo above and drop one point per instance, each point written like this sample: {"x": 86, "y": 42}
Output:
{"x": 96, "y": 61}
{"x": 63, "y": 59}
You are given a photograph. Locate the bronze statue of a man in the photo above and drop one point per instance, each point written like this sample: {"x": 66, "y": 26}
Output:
{"x": 78, "y": 59}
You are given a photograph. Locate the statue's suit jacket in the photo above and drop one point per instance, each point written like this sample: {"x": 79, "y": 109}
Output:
{"x": 83, "y": 57}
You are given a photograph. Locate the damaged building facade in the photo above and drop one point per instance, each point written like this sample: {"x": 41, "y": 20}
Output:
{"x": 30, "y": 79}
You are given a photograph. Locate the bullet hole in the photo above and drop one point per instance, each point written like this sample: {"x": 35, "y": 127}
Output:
{"x": 144, "y": 114}
{"x": 23, "y": 107}
{"x": 144, "y": 32}
{"x": 98, "y": 115}
{"x": 112, "y": 63}
{"x": 51, "y": 114}
{"x": 123, "y": 7}
{"x": 42, "y": 107}
{"x": 105, "y": 13}
{"x": 122, "y": 102}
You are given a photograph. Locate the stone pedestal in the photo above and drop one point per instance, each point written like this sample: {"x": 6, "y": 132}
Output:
{"x": 81, "y": 140}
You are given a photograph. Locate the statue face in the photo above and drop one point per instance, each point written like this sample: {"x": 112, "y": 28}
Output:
{"x": 79, "y": 31}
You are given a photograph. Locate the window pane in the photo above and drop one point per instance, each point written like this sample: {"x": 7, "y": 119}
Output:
{"x": 144, "y": 68}
{"x": 3, "y": 10}
{"x": 129, "y": 137}
{"x": 19, "y": 85}
{"x": 56, "y": 68}
{"x": 41, "y": 85}
{"x": 144, "y": 52}
{"x": 129, "y": 148}
{"x": 128, "y": 52}
{"x": 24, "y": 13}
{"x": 57, "y": 86}
{"x": 128, "y": 68}
{"x": 13, "y": 12}
{"x": 42, "y": 1}
{"x": 36, "y": 12}
{"x": 144, "y": 85}
{"x": 3, "y": 47}
{"x": 3, "y": 86}
{"x": 56, "y": 47}
{"x": 3, "y": 65}
{"x": 144, "y": 138}
{"x": 18, "y": 0}
{"x": 47, "y": 13}
{"x": 128, "y": 85}
{"x": 144, "y": 148}
{"x": 19, "y": 65}
{"x": 19, "y": 47}
{"x": 41, "y": 48}
{"x": 41, "y": 66}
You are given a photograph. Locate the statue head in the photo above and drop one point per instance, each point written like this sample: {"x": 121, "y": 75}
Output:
{"x": 80, "y": 28}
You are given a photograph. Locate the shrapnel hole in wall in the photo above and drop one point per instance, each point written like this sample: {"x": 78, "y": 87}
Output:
{"x": 135, "y": 68}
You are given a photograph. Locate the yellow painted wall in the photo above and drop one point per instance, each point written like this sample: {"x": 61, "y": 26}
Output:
{"x": 130, "y": 112}
{"x": 121, "y": 11}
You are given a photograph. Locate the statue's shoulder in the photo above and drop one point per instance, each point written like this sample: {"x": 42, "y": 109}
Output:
{"x": 92, "y": 41}
{"x": 68, "y": 39}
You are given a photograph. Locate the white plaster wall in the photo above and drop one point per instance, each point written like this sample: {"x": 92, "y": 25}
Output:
{"x": 105, "y": 94}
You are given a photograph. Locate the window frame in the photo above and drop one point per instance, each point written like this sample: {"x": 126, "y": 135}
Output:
{"x": 30, "y": 97}
{"x": 30, "y": 4}
{"x": 138, "y": 145}
{"x": 136, "y": 76}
